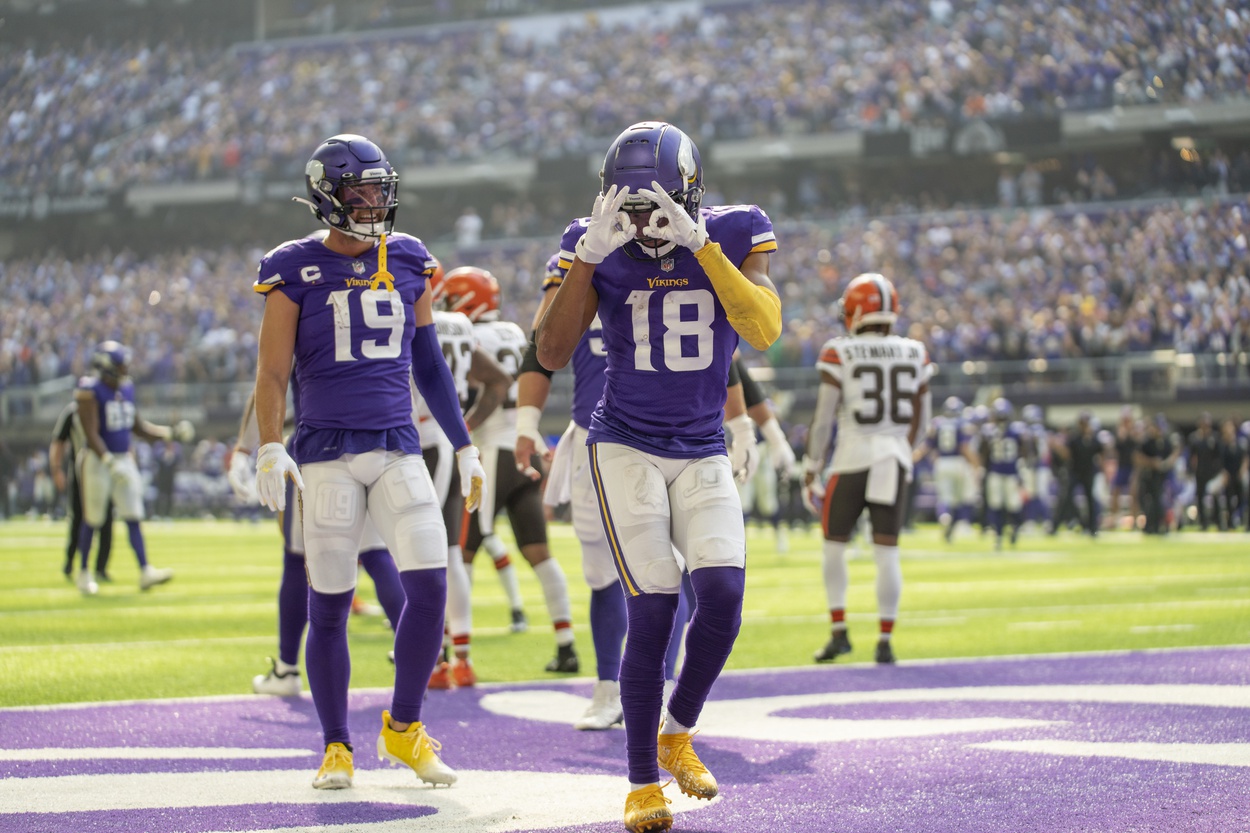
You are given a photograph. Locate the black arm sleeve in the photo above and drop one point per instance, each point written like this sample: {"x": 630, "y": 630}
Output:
{"x": 735, "y": 378}
{"x": 751, "y": 391}
{"x": 530, "y": 360}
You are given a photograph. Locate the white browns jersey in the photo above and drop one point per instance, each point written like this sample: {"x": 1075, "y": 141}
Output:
{"x": 506, "y": 342}
{"x": 878, "y": 374}
{"x": 458, "y": 339}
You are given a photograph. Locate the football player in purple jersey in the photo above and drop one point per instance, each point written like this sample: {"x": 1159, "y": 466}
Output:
{"x": 283, "y": 677}
{"x": 353, "y": 312}
{"x": 569, "y": 481}
{"x": 108, "y": 415}
{"x": 1004, "y": 443}
{"x": 675, "y": 286}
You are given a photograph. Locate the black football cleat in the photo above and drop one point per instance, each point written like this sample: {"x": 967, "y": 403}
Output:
{"x": 839, "y": 643}
{"x": 565, "y": 661}
{"x": 885, "y": 654}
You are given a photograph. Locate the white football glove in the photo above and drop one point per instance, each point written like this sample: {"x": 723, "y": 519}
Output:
{"x": 744, "y": 454}
{"x": 273, "y": 466}
{"x": 472, "y": 477}
{"x": 780, "y": 454}
{"x": 184, "y": 431}
{"x": 529, "y": 440}
{"x": 681, "y": 228}
{"x": 609, "y": 227}
{"x": 242, "y": 477}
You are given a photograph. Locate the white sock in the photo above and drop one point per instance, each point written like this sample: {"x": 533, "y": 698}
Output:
{"x": 671, "y": 727}
{"x": 459, "y": 594}
{"x": 494, "y": 546}
{"x": 889, "y": 580}
{"x": 836, "y": 578}
{"x": 556, "y": 594}
{"x": 634, "y": 787}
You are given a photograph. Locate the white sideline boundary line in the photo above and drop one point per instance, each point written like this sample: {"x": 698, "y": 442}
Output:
{"x": 581, "y": 681}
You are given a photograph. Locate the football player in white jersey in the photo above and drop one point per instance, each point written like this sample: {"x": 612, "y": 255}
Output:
{"x": 875, "y": 386}
{"x": 470, "y": 365}
{"x": 475, "y": 292}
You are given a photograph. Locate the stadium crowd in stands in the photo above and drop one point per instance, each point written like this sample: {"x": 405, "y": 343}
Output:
{"x": 1023, "y": 284}
{"x": 181, "y": 111}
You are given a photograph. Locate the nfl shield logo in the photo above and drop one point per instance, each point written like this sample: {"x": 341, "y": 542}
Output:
{"x": 666, "y": 265}
{"x": 358, "y": 267}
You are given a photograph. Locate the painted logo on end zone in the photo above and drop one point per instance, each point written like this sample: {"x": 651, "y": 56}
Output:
{"x": 974, "y": 746}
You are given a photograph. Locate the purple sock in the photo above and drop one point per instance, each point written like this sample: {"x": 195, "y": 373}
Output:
{"x": 608, "y": 622}
{"x": 418, "y": 640}
{"x": 642, "y": 680}
{"x": 84, "y": 544}
{"x": 292, "y": 607}
{"x": 328, "y": 661}
{"x": 709, "y": 639}
{"x": 136, "y": 543}
{"x": 685, "y": 606}
{"x": 381, "y": 568}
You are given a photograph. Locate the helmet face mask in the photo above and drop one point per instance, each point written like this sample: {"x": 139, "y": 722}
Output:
{"x": 869, "y": 299}
{"x": 470, "y": 290}
{"x": 111, "y": 360}
{"x": 352, "y": 188}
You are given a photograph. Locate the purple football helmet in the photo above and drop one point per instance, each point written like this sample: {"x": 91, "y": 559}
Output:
{"x": 348, "y": 176}
{"x": 655, "y": 151}
{"x": 111, "y": 359}
{"x": 953, "y": 406}
{"x": 1001, "y": 409}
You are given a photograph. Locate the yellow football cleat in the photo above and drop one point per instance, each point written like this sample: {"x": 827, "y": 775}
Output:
{"x": 336, "y": 769}
{"x": 416, "y": 749}
{"x": 676, "y": 755}
{"x": 646, "y": 810}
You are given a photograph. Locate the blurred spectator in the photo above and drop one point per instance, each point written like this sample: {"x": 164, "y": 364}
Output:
{"x": 183, "y": 109}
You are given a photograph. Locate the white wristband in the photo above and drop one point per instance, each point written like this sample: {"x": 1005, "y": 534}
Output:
{"x": 584, "y": 254}
{"x": 773, "y": 435}
{"x": 527, "y": 418}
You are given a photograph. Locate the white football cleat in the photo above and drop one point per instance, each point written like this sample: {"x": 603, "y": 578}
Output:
{"x": 87, "y": 584}
{"x": 605, "y": 709}
{"x": 151, "y": 576}
{"x": 281, "y": 681}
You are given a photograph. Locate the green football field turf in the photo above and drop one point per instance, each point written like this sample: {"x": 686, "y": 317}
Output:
{"x": 211, "y": 629}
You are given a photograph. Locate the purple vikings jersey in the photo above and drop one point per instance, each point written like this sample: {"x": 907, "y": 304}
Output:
{"x": 353, "y": 345}
{"x": 590, "y": 362}
{"x": 668, "y": 342}
{"x": 1005, "y": 443}
{"x": 950, "y": 434}
{"x": 116, "y": 409}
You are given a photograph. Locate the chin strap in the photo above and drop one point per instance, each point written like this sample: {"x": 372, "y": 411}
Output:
{"x": 382, "y": 276}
